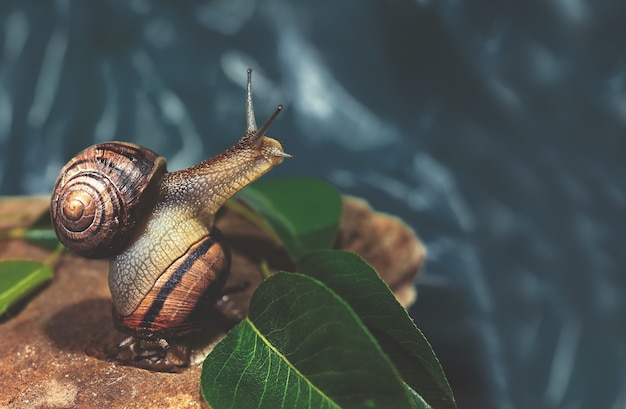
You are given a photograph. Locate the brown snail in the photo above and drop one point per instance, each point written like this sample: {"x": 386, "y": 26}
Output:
{"x": 167, "y": 261}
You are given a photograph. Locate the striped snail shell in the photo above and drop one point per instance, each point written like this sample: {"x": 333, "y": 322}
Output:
{"x": 167, "y": 260}
{"x": 98, "y": 196}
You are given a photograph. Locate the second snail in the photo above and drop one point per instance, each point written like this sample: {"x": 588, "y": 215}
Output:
{"x": 168, "y": 263}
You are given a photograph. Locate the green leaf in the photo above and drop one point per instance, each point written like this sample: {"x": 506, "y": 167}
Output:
{"x": 19, "y": 278}
{"x": 362, "y": 288}
{"x": 301, "y": 347}
{"x": 302, "y": 213}
{"x": 39, "y": 232}
{"x": 46, "y": 238}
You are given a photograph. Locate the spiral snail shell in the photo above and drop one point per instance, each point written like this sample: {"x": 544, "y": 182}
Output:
{"x": 168, "y": 262}
{"x": 96, "y": 200}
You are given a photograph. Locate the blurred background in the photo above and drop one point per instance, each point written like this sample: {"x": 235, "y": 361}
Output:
{"x": 495, "y": 129}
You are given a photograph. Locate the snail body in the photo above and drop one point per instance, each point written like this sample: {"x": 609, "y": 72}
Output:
{"x": 168, "y": 262}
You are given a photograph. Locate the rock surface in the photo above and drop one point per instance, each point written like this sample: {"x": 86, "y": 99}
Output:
{"x": 54, "y": 346}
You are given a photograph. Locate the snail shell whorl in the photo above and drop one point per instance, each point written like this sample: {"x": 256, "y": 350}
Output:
{"x": 99, "y": 194}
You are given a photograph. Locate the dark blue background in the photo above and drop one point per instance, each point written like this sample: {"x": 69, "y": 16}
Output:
{"x": 496, "y": 129}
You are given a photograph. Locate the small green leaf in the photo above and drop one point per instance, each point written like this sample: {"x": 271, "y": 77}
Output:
{"x": 46, "y": 238}
{"x": 301, "y": 347}
{"x": 42, "y": 237}
{"x": 41, "y": 232}
{"x": 19, "y": 278}
{"x": 362, "y": 288}
{"x": 303, "y": 213}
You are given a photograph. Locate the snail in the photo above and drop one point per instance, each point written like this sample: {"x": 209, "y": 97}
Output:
{"x": 168, "y": 262}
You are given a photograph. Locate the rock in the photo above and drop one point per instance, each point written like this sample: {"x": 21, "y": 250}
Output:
{"x": 55, "y": 344}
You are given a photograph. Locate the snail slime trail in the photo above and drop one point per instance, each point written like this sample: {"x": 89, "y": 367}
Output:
{"x": 168, "y": 263}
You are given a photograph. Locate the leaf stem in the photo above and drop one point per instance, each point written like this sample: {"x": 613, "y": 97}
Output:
{"x": 252, "y": 217}
{"x": 53, "y": 257}
{"x": 265, "y": 269}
